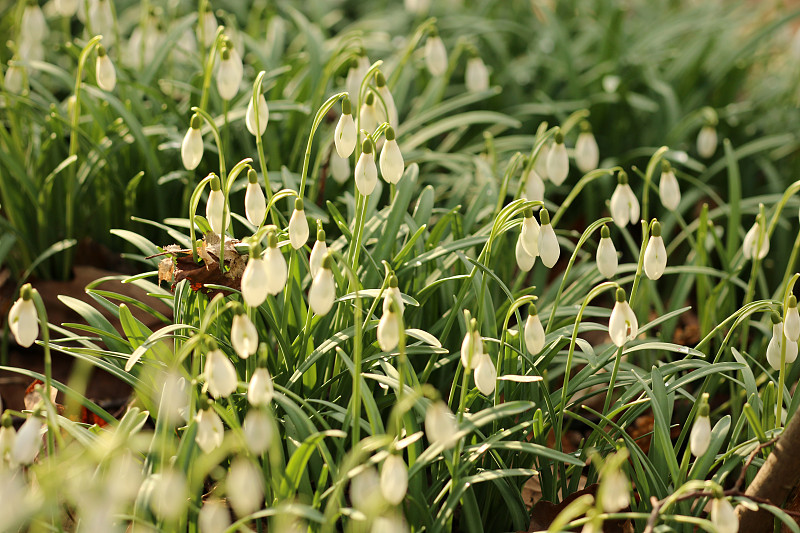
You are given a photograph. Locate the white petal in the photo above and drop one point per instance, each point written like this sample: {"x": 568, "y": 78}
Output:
{"x": 344, "y": 138}
{"x": 276, "y": 270}
{"x": 368, "y": 117}
{"x": 255, "y": 280}
{"x": 315, "y": 258}
{"x": 477, "y": 75}
{"x": 440, "y": 425}
{"x": 229, "y": 76}
{"x": 619, "y": 207}
{"x": 192, "y": 149}
{"x": 524, "y": 260}
{"x": 23, "y": 322}
{"x": 214, "y": 210}
{"x": 774, "y": 351}
{"x": 213, "y": 517}
{"x": 393, "y": 293}
{"x": 530, "y": 236}
{"x": 558, "y": 163}
{"x": 655, "y": 258}
{"x": 791, "y": 351}
{"x": 633, "y": 204}
{"x": 258, "y": 431}
{"x": 614, "y": 492}
{"x": 700, "y": 437}
{"x": 255, "y": 204}
{"x": 340, "y": 167}
{"x": 388, "y": 331}
{"x": 322, "y": 293}
{"x": 534, "y": 186}
{"x": 587, "y": 153}
{"x": 388, "y": 100}
{"x": 260, "y": 390}
{"x": 394, "y": 479}
{"x": 669, "y": 190}
{"x": 365, "y": 491}
{"x": 263, "y": 116}
{"x": 298, "y": 229}
{"x": 534, "y": 334}
{"x": 244, "y": 336}
{"x": 707, "y": 141}
{"x": 622, "y": 325}
{"x": 391, "y": 161}
{"x": 540, "y": 165}
{"x": 245, "y": 487}
{"x": 220, "y": 375}
{"x": 485, "y": 375}
{"x": 210, "y": 431}
{"x": 169, "y": 496}
{"x": 435, "y": 56}
{"x": 366, "y": 174}
{"x": 28, "y": 441}
{"x": 105, "y": 73}
{"x": 471, "y": 350}
{"x": 723, "y": 516}
{"x": 549, "y": 249}
{"x": 791, "y": 325}
{"x": 607, "y": 261}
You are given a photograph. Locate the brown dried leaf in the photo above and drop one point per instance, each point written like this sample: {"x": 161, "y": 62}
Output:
{"x": 166, "y": 269}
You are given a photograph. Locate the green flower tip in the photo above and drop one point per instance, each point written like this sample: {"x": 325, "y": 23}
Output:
{"x": 226, "y": 53}
{"x": 215, "y": 185}
{"x": 255, "y": 249}
{"x": 320, "y": 233}
{"x": 544, "y": 216}
{"x": 238, "y": 309}
{"x": 366, "y": 146}
{"x": 327, "y": 261}
{"x": 558, "y": 137}
{"x": 532, "y": 311}
{"x": 528, "y": 212}
{"x": 665, "y": 166}
{"x": 252, "y": 176}
{"x": 656, "y": 228}
{"x": 621, "y": 296}
{"x": 473, "y": 324}
{"x": 393, "y": 280}
{"x": 380, "y": 79}
{"x": 26, "y": 292}
{"x": 792, "y": 301}
{"x": 703, "y": 410}
{"x": 605, "y": 233}
{"x": 6, "y": 420}
{"x": 393, "y": 306}
{"x": 389, "y": 133}
{"x": 298, "y": 204}
{"x": 101, "y": 50}
{"x": 347, "y": 107}
{"x": 586, "y": 126}
{"x": 370, "y": 100}
{"x": 775, "y": 317}
{"x": 272, "y": 239}
{"x": 196, "y": 122}
{"x": 433, "y": 32}
{"x": 622, "y": 177}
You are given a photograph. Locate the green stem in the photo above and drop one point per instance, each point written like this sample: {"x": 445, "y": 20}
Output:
{"x": 323, "y": 110}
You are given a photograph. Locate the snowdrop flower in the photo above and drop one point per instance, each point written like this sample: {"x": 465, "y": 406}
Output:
{"x": 534, "y": 186}
{"x": 7, "y": 437}
{"x": 275, "y": 265}
{"x": 215, "y": 207}
{"x": 435, "y": 54}
{"x": 471, "y": 346}
{"x": 723, "y": 516}
{"x": 622, "y": 325}
{"x": 700, "y": 437}
{"x": 389, "y": 329}
{"x": 101, "y": 20}
{"x": 655, "y": 255}
{"x": 344, "y": 137}
{"x": 775, "y": 345}
{"x": 263, "y": 116}
{"x": 355, "y": 75}
{"x": 255, "y": 203}
{"x": 245, "y": 487}
{"x": 534, "y": 332}
{"x": 391, "y": 160}
{"x": 529, "y": 235}
{"x": 33, "y": 22}
{"x": 169, "y": 496}
{"x": 485, "y": 375}
{"x": 23, "y": 320}
{"x": 394, "y": 479}
{"x": 322, "y": 293}
{"x": 366, "y": 171}
{"x": 365, "y": 491}
{"x": 244, "y": 336}
{"x": 260, "y": 390}
{"x": 587, "y": 154}
{"x": 668, "y": 189}
{"x": 258, "y": 431}
{"x": 757, "y": 234}
{"x": 368, "y": 114}
{"x": 209, "y": 28}
{"x": 317, "y": 252}
{"x": 476, "y": 76}
{"x": 614, "y": 493}
{"x": 525, "y": 260}
{"x": 210, "y": 430}
{"x": 440, "y": 425}
{"x": 255, "y": 278}
{"x": 173, "y": 404}
{"x": 28, "y": 440}
{"x": 14, "y": 81}
{"x": 558, "y": 160}
{"x": 387, "y": 98}
{"x": 417, "y": 7}
{"x": 192, "y": 147}
{"x": 340, "y": 167}
{"x": 66, "y": 8}
{"x": 393, "y": 294}
{"x": 791, "y": 327}
{"x": 540, "y": 164}
{"x": 213, "y": 517}
{"x": 548, "y": 243}
{"x": 104, "y": 70}
{"x": 624, "y": 205}
{"x": 229, "y": 72}
{"x": 707, "y": 141}
{"x": 607, "y": 261}
{"x": 220, "y": 374}
{"x": 298, "y": 225}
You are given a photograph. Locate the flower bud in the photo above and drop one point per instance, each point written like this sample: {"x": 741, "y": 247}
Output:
{"x": 624, "y": 205}
{"x": 104, "y": 71}
{"x": 340, "y": 167}
{"x": 700, "y": 437}
{"x": 549, "y": 249}
{"x": 525, "y": 260}
{"x": 220, "y": 374}
{"x": 229, "y": 73}
{"x": 365, "y": 491}
{"x": 387, "y": 98}
{"x": 485, "y": 375}
{"x": 622, "y": 325}
{"x": 723, "y": 516}
{"x": 244, "y": 486}
{"x": 530, "y": 234}
{"x": 540, "y": 164}
{"x": 322, "y": 293}
{"x": 263, "y": 116}
{"x": 213, "y": 517}
{"x": 210, "y": 430}
{"x": 317, "y": 253}
{"x": 298, "y": 226}
{"x": 389, "y": 330}
{"x": 244, "y": 336}
{"x": 7, "y": 437}
{"x": 534, "y": 332}
{"x": 607, "y": 261}
{"x": 23, "y": 320}
{"x": 655, "y": 255}
{"x": 668, "y": 188}
{"x": 355, "y": 75}
{"x": 192, "y": 147}
{"x": 471, "y": 347}
{"x": 215, "y": 207}
{"x": 534, "y": 186}
{"x": 774, "y": 346}
{"x": 614, "y": 492}
{"x": 394, "y": 479}
{"x": 476, "y": 76}
{"x": 28, "y": 441}
{"x": 791, "y": 326}
{"x": 587, "y": 153}
{"x": 707, "y": 141}
{"x": 254, "y": 281}
{"x": 391, "y": 160}
{"x": 275, "y": 266}
{"x": 755, "y": 235}
{"x": 368, "y": 114}
{"x": 170, "y": 495}
{"x": 260, "y": 390}
{"x": 344, "y": 137}
{"x": 435, "y": 55}
{"x": 366, "y": 171}
{"x": 258, "y": 431}
{"x": 558, "y": 161}
{"x": 14, "y": 81}
{"x": 440, "y": 425}
{"x": 255, "y": 203}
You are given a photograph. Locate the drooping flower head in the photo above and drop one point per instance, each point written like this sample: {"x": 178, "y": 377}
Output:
{"x": 700, "y": 437}
{"x": 255, "y": 203}
{"x": 655, "y": 255}
{"x": 587, "y": 153}
{"x": 622, "y": 325}
{"x": 344, "y": 137}
{"x": 192, "y": 146}
{"x": 607, "y": 260}
{"x": 558, "y": 160}
{"x": 23, "y": 320}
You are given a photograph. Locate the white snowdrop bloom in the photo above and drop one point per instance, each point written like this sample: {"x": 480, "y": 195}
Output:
{"x": 298, "y": 226}
{"x": 368, "y": 115}
{"x": 607, "y": 260}
{"x": 220, "y": 374}
{"x": 394, "y": 479}
{"x": 260, "y": 390}
{"x": 255, "y": 280}
{"x": 215, "y": 206}
{"x": 14, "y": 81}
{"x": 30, "y": 50}
{"x": 774, "y": 345}
{"x": 525, "y": 260}
{"x": 534, "y": 186}
{"x": 707, "y": 141}
{"x": 391, "y": 160}
{"x": 540, "y": 164}
{"x": 258, "y": 431}
{"x": 213, "y": 517}
{"x": 244, "y": 336}
{"x": 791, "y": 327}
{"x": 23, "y": 320}
{"x": 558, "y": 161}
{"x": 529, "y": 234}
{"x": 534, "y": 331}
{"x": 255, "y": 203}
{"x": 34, "y": 23}
{"x": 393, "y": 294}
{"x": 366, "y": 171}
{"x": 173, "y": 405}
{"x": 389, "y": 329}
{"x": 229, "y": 73}
{"x": 209, "y": 28}
{"x": 614, "y": 493}
{"x": 365, "y": 490}
{"x": 756, "y": 234}
{"x": 210, "y": 430}
{"x": 275, "y": 265}
{"x": 344, "y": 137}
{"x": 476, "y": 76}
{"x": 668, "y": 189}
{"x": 28, "y": 441}
{"x": 723, "y": 516}
{"x": 322, "y": 293}
{"x": 192, "y": 146}
{"x": 66, "y": 8}
{"x": 471, "y": 346}
{"x": 101, "y": 20}
{"x": 317, "y": 253}
{"x": 624, "y": 205}
{"x": 700, "y": 437}
{"x": 417, "y": 7}
{"x": 124, "y": 477}
{"x": 170, "y": 495}
{"x": 340, "y": 167}
{"x": 7, "y": 437}
{"x": 549, "y": 250}
{"x": 655, "y": 255}
{"x": 791, "y": 351}
{"x": 263, "y": 116}
{"x": 440, "y": 425}
{"x": 387, "y": 99}
{"x": 355, "y": 75}
{"x": 435, "y": 55}
{"x": 622, "y": 325}
{"x": 104, "y": 70}
{"x": 485, "y": 375}
{"x": 587, "y": 153}
{"x": 244, "y": 486}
